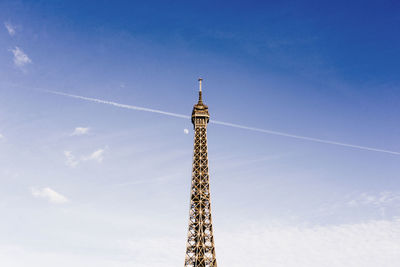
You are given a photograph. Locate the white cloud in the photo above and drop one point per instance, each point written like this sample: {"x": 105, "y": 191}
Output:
{"x": 378, "y": 200}
{"x": 370, "y": 244}
{"x": 70, "y": 159}
{"x": 49, "y": 194}
{"x": 377, "y": 205}
{"x": 96, "y": 156}
{"x": 81, "y": 131}
{"x": 10, "y": 28}
{"x": 20, "y": 58}
{"x": 186, "y": 131}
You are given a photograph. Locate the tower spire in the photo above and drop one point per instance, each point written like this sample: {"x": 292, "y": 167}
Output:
{"x": 200, "y": 92}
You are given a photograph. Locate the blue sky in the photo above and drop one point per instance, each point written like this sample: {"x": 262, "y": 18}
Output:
{"x": 86, "y": 183}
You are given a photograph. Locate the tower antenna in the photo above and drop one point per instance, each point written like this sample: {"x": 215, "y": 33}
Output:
{"x": 200, "y": 92}
{"x": 200, "y": 80}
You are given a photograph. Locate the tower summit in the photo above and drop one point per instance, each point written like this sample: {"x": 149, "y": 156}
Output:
{"x": 200, "y": 251}
{"x": 200, "y": 111}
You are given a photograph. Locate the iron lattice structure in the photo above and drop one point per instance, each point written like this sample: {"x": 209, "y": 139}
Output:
{"x": 200, "y": 251}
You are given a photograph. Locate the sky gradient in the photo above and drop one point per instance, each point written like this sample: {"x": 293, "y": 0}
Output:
{"x": 86, "y": 183}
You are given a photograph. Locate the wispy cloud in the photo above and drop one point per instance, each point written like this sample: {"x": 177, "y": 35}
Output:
{"x": 10, "y": 28}
{"x": 49, "y": 194}
{"x": 368, "y": 244}
{"x": 377, "y": 205}
{"x": 81, "y": 131}
{"x": 20, "y": 58}
{"x": 1, "y": 136}
{"x": 72, "y": 161}
{"x": 380, "y": 199}
{"x": 96, "y": 156}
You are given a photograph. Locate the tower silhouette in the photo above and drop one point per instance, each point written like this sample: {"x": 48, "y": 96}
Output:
{"x": 200, "y": 251}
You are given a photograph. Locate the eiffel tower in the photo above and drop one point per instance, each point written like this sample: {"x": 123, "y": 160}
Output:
{"x": 200, "y": 251}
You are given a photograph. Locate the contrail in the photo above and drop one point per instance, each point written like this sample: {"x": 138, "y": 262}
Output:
{"x": 304, "y": 137}
{"x": 121, "y": 105}
{"x": 224, "y": 123}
